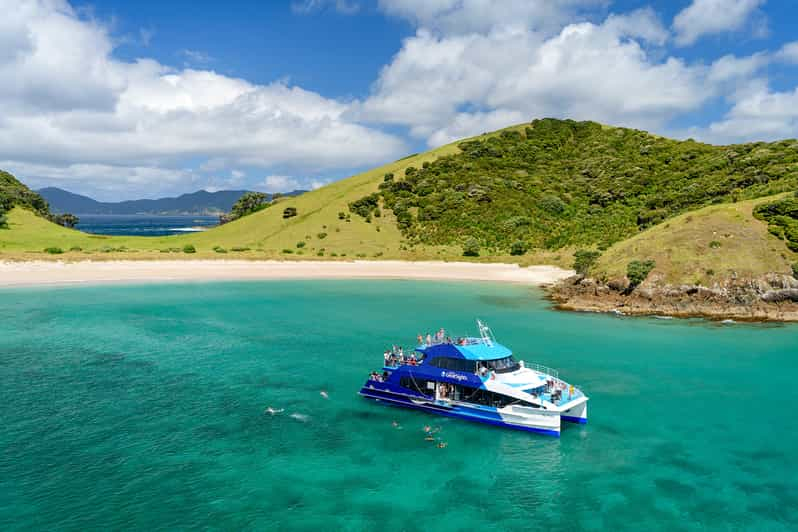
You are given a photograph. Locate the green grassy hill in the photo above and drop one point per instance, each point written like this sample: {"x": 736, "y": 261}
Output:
{"x": 532, "y": 193}
{"x": 704, "y": 245}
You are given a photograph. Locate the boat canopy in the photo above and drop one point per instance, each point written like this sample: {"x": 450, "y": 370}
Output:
{"x": 468, "y": 348}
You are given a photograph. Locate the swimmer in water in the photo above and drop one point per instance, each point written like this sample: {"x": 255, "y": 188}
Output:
{"x": 442, "y": 444}
{"x": 324, "y": 394}
{"x": 396, "y": 424}
{"x": 273, "y": 411}
{"x": 429, "y": 438}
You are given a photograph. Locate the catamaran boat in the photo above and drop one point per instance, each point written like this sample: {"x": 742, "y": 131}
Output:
{"x": 478, "y": 379}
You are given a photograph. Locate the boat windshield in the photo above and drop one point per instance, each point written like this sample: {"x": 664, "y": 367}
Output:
{"x": 503, "y": 365}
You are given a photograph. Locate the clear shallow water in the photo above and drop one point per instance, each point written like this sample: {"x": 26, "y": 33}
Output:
{"x": 143, "y": 407}
{"x": 142, "y": 225}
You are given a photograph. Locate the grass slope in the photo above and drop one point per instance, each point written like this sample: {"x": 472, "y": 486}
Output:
{"x": 703, "y": 246}
{"x": 266, "y": 233}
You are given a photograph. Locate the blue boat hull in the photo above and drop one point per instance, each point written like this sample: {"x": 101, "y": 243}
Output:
{"x": 479, "y": 416}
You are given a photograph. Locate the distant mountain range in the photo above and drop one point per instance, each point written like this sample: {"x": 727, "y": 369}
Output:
{"x": 196, "y": 203}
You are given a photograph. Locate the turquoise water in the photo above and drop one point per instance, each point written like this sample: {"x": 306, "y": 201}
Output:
{"x": 142, "y": 407}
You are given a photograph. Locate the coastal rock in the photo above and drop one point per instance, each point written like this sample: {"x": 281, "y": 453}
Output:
{"x": 770, "y": 297}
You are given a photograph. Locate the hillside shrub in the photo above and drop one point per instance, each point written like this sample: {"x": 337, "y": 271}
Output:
{"x": 519, "y": 247}
{"x": 795, "y": 269}
{"x": 782, "y": 219}
{"x": 288, "y": 251}
{"x": 248, "y": 203}
{"x": 300, "y": 244}
{"x": 637, "y": 271}
{"x": 584, "y": 260}
{"x": 53, "y": 250}
{"x": 471, "y": 247}
{"x": 219, "y": 249}
{"x": 342, "y": 215}
{"x": 714, "y": 244}
{"x": 189, "y": 248}
{"x": 321, "y": 236}
{"x": 239, "y": 249}
{"x": 76, "y": 248}
{"x": 289, "y": 212}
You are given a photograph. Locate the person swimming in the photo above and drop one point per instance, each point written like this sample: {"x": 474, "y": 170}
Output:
{"x": 324, "y": 394}
{"x": 273, "y": 411}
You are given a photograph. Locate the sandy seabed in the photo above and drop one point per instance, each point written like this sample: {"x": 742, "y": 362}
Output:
{"x": 37, "y": 273}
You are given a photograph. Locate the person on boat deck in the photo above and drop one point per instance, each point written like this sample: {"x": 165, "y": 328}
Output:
{"x": 392, "y": 360}
{"x": 401, "y": 351}
{"x": 483, "y": 370}
{"x": 420, "y": 339}
{"x": 401, "y": 359}
{"x": 440, "y": 334}
{"x": 448, "y": 339}
{"x": 429, "y": 339}
{"x": 384, "y": 376}
{"x": 412, "y": 359}
{"x": 387, "y": 356}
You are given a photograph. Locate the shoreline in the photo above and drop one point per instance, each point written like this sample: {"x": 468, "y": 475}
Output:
{"x": 58, "y": 273}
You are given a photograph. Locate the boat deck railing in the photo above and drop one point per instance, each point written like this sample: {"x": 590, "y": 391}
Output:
{"x": 540, "y": 368}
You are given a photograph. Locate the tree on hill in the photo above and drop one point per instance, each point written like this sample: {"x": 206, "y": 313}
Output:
{"x": 248, "y": 203}
{"x": 584, "y": 260}
{"x": 14, "y": 193}
{"x": 637, "y": 271}
{"x": 66, "y": 219}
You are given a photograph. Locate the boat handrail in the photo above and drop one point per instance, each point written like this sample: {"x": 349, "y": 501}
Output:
{"x": 540, "y": 368}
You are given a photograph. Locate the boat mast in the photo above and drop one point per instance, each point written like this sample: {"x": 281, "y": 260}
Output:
{"x": 486, "y": 334}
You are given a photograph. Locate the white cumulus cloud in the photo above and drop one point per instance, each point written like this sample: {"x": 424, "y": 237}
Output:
{"x": 68, "y": 102}
{"x": 709, "y": 17}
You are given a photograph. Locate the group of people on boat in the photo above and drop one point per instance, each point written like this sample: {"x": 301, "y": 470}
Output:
{"x": 396, "y": 357}
{"x": 439, "y": 338}
{"x": 374, "y": 376}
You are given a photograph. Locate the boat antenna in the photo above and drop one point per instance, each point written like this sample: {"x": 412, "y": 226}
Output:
{"x": 485, "y": 333}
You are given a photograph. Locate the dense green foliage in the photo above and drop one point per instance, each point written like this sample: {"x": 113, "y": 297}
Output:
{"x": 289, "y": 212}
{"x": 248, "y": 203}
{"x": 637, "y": 271}
{"x": 584, "y": 260}
{"x": 563, "y": 183}
{"x": 795, "y": 270}
{"x": 53, "y": 250}
{"x": 471, "y": 247}
{"x": 66, "y": 219}
{"x": 13, "y": 193}
{"x": 782, "y": 219}
{"x": 188, "y": 248}
{"x": 519, "y": 247}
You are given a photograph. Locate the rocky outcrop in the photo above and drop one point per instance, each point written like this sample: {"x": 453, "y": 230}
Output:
{"x": 773, "y": 297}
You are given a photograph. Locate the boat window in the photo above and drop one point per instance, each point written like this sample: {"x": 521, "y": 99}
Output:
{"x": 422, "y": 386}
{"x": 503, "y": 365}
{"x": 455, "y": 364}
{"x": 479, "y": 396}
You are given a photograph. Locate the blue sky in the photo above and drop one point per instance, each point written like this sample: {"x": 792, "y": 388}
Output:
{"x": 121, "y": 99}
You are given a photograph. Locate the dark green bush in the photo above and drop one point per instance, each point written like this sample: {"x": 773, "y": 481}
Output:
{"x": 53, "y": 250}
{"x": 289, "y": 212}
{"x": 239, "y": 249}
{"x": 637, "y": 271}
{"x": 519, "y": 247}
{"x": 76, "y": 248}
{"x": 471, "y": 247}
{"x": 795, "y": 270}
{"x": 584, "y": 260}
{"x": 189, "y": 248}
{"x": 300, "y": 244}
{"x": 288, "y": 251}
{"x": 714, "y": 244}
{"x": 219, "y": 249}
{"x": 321, "y": 236}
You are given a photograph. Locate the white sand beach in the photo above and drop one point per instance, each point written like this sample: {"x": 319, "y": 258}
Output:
{"x": 88, "y": 272}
